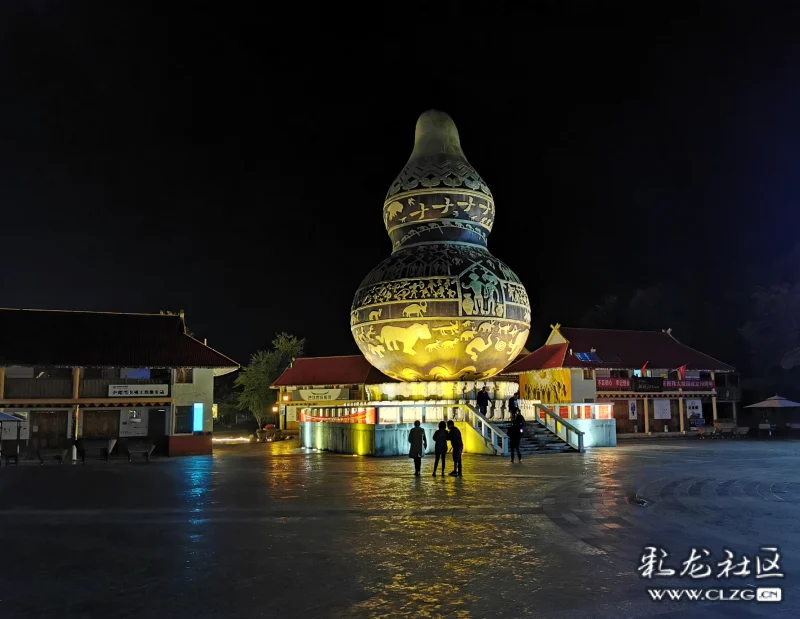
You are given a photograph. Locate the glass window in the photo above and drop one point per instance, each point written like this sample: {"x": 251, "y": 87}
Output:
{"x": 183, "y": 419}
{"x": 588, "y": 375}
{"x": 184, "y": 375}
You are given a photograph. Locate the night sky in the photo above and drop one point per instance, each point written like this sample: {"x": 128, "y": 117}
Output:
{"x": 233, "y": 163}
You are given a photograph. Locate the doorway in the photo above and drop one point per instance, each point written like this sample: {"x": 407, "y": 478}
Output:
{"x": 100, "y": 424}
{"x": 48, "y": 429}
{"x": 157, "y": 429}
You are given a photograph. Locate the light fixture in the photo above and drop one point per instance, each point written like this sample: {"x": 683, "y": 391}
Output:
{"x": 275, "y": 409}
{"x": 285, "y": 397}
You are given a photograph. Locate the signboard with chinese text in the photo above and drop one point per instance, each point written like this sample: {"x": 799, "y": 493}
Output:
{"x": 613, "y": 383}
{"x": 361, "y": 415}
{"x": 694, "y": 385}
{"x": 647, "y": 384}
{"x": 694, "y": 409}
{"x": 632, "y": 412}
{"x": 138, "y": 391}
{"x": 320, "y": 395}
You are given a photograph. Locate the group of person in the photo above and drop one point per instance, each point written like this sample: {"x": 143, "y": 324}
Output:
{"x": 448, "y": 432}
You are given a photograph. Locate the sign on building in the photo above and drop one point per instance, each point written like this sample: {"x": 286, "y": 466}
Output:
{"x": 632, "y": 412}
{"x": 138, "y": 391}
{"x": 662, "y": 409}
{"x": 321, "y": 395}
{"x": 647, "y": 384}
{"x": 694, "y": 409}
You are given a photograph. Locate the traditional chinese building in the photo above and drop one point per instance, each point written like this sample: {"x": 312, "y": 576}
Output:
{"x": 69, "y": 375}
{"x": 327, "y": 382}
{"x": 647, "y": 380}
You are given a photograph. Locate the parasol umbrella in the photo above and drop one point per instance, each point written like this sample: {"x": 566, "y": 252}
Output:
{"x": 775, "y": 401}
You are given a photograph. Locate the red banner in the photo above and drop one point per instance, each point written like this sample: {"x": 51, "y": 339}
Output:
{"x": 695, "y": 385}
{"x": 363, "y": 415}
{"x": 613, "y": 383}
{"x": 606, "y": 384}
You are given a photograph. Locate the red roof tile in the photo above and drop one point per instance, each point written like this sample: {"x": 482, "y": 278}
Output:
{"x": 102, "y": 339}
{"x": 632, "y": 349}
{"x": 551, "y": 356}
{"x": 350, "y": 370}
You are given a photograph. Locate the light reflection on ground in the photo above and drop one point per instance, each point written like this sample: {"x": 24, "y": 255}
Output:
{"x": 261, "y": 530}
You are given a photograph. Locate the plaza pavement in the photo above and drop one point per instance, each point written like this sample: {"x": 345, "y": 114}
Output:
{"x": 272, "y": 531}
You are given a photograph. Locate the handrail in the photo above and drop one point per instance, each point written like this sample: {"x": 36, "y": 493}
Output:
{"x": 562, "y": 428}
{"x": 488, "y": 431}
{"x": 497, "y": 438}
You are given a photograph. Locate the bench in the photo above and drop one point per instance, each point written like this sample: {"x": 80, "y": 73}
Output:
{"x": 56, "y": 453}
{"x": 141, "y": 448}
{"x": 724, "y": 428}
{"x": 766, "y": 427}
{"x": 742, "y": 432}
{"x": 102, "y": 447}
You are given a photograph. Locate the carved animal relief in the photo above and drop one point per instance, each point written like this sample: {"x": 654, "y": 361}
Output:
{"x": 441, "y": 307}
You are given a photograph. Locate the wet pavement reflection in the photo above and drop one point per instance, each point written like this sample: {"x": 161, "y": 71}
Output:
{"x": 271, "y": 530}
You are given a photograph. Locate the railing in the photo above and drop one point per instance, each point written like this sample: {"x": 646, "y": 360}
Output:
{"x": 38, "y": 388}
{"x": 488, "y": 431}
{"x": 98, "y": 387}
{"x": 728, "y": 392}
{"x": 430, "y": 411}
{"x": 557, "y": 425}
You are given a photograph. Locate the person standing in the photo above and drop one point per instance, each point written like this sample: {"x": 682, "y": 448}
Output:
{"x": 419, "y": 443}
{"x": 440, "y": 446}
{"x": 483, "y": 401}
{"x": 516, "y": 431}
{"x": 454, "y": 436}
{"x": 513, "y": 405}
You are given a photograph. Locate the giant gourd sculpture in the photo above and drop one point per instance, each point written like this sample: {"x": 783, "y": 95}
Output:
{"x": 441, "y": 307}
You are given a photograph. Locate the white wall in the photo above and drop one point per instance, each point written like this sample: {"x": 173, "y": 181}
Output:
{"x": 582, "y": 390}
{"x": 200, "y": 390}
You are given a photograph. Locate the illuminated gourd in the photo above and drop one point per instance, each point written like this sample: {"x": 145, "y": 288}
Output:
{"x": 441, "y": 307}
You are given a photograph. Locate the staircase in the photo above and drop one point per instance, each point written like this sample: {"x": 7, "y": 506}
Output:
{"x": 537, "y": 439}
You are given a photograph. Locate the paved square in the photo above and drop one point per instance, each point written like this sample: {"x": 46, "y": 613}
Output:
{"x": 272, "y": 531}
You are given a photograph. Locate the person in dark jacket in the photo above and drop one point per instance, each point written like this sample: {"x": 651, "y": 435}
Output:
{"x": 419, "y": 443}
{"x": 483, "y": 400}
{"x": 454, "y": 436}
{"x": 515, "y": 433}
{"x": 440, "y": 442}
{"x": 513, "y": 405}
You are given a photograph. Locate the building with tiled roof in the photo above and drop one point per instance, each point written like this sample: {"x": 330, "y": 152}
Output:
{"x": 632, "y": 372}
{"x": 72, "y": 375}
{"x": 317, "y": 381}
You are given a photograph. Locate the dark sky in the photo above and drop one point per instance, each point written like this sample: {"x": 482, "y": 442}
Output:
{"x": 233, "y": 162}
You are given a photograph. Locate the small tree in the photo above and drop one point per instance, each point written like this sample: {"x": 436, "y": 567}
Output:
{"x": 256, "y": 394}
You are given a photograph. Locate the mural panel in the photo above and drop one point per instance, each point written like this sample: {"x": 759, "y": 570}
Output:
{"x": 548, "y": 386}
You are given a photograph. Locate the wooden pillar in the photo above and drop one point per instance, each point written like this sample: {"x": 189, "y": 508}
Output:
{"x": 734, "y": 410}
{"x": 680, "y": 409}
{"x": 76, "y": 392}
{"x": 76, "y": 383}
{"x": 2, "y": 383}
{"x": 646, "y": 416}
{"x": 714, "y": 397}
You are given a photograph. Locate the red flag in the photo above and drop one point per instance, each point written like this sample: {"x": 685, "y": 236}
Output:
{"x": 644, "y": 367}
{"x": 682, "y": 372}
